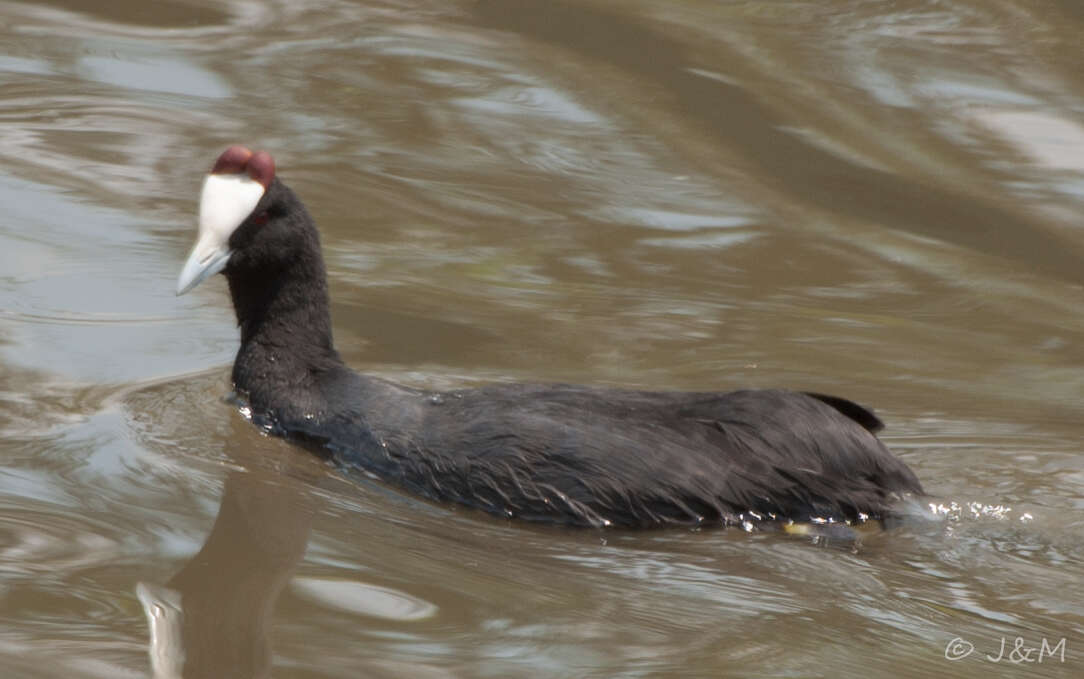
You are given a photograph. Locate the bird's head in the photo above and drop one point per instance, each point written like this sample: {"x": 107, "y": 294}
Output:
{"x": 248, "y": 219}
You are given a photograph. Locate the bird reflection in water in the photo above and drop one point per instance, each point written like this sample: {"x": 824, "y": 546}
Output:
{"x": 216, "y": 612}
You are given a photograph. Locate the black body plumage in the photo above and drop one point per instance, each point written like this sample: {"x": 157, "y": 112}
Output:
{"x": 558, "y": 453}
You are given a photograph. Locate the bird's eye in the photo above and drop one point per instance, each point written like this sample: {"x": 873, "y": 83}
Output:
{"x": 259, "y": 218}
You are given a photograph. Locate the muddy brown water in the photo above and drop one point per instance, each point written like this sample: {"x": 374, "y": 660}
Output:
{"x": 881, "y": 200}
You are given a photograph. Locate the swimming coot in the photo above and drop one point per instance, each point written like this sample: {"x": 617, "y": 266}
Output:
{"x": 546, "y": 452}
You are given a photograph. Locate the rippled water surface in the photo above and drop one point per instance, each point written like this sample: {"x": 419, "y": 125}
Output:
{"x": 878, "y": 199}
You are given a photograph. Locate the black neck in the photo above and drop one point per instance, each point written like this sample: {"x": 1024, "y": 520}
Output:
{"x": 286, "y": 345}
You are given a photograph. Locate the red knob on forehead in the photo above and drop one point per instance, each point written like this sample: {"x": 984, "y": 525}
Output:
{"x": 232, "y": 161}
{"x": 261, "y": 168}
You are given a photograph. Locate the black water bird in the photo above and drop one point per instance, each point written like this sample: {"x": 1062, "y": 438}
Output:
{"x": 545, "y": 452}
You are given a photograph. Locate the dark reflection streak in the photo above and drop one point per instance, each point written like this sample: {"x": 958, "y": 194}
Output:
{"x": 739, "y": 122}
{"x": 163, "y": 13}
{"x": 228, "y": 590}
